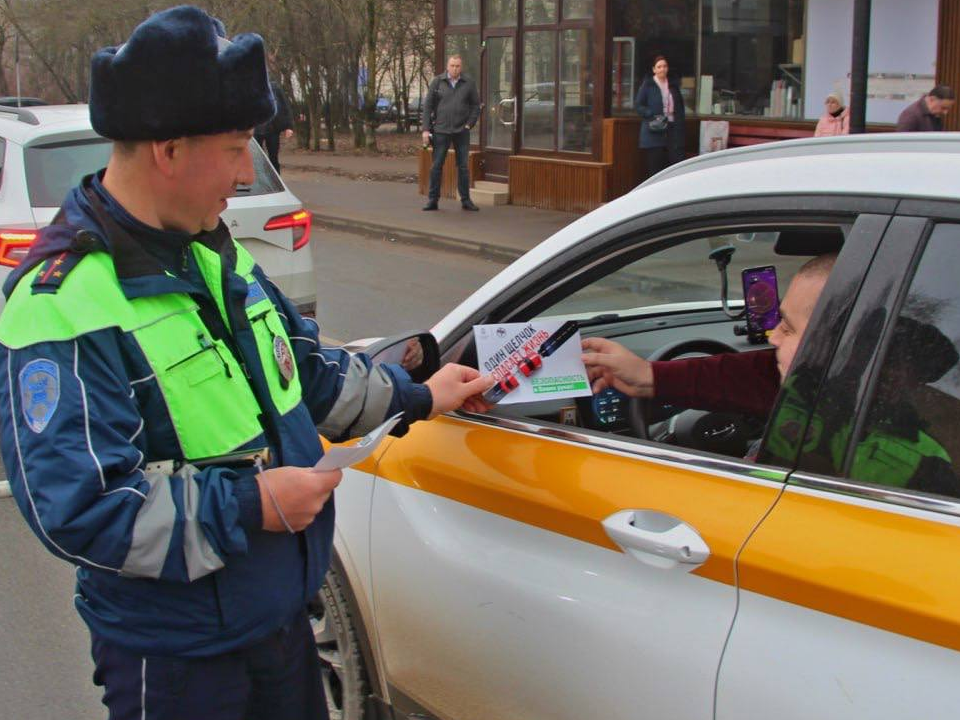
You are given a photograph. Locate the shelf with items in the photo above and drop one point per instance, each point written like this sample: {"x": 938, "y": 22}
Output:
{"x": 786, "y": 93}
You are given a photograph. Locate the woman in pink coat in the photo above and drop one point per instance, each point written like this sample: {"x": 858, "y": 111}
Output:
{"x": 836, "y": 119}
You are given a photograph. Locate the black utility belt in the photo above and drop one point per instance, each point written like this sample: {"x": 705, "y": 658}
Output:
{"x": 258, "y": 457}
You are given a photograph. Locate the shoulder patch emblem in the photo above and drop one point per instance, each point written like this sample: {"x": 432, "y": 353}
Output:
{"x": 39, "y": 392}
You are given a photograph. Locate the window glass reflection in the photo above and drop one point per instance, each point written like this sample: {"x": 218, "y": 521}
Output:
{"x": 463, "y": 12}
{"x": 501, "y": 13}
{"x": 577, "y": 9}
{"x": 576, "y": 90}
{"x": 539, "y": 12}
{"x": 751, "y": 58}
{"x": 539, "y": 89}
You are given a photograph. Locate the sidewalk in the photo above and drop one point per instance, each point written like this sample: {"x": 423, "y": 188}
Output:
{"x": 392, "y": 209}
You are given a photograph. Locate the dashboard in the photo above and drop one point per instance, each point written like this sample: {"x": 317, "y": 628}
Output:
{"x": 649, "y": 337}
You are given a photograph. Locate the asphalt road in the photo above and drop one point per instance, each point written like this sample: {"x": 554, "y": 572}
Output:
{"x": 366, "y": 287}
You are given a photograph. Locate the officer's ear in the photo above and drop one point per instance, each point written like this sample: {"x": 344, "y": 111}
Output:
{"x": 166, "y": 154}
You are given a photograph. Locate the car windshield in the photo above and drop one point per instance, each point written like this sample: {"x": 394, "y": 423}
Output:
{"x": 54, "y": 168}
{"x": 678, "y": 275}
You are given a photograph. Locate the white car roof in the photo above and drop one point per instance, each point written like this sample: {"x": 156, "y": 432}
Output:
{"x": 42, "y": 120}
{"x": 909, "y": 165}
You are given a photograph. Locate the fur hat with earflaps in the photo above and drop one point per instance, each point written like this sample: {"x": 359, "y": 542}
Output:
{"x": 178, "y": 75}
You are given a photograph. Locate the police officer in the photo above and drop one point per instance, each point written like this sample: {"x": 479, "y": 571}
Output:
{"x": 138, "y": 332}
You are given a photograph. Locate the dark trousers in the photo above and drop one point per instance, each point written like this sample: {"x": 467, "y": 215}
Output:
{"x": 278, "y": 678}
{"x": 461, "y": 145}
{"x": 271, "y": 143}
{"x": 659, "y": 158}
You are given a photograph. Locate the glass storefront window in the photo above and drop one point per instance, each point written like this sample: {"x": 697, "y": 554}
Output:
{"x": 657, "y": 28}
{"x": 501, "y": 13}
{"x": 576, "y": 90}
{"x": 467, "y": 45}
{"x": 539, "y": 12}
{"x": 751, "y": 58}
{"x": 463, "y": 12}
{"x": 539, "y": 89}
{"x": 578, "y": 9}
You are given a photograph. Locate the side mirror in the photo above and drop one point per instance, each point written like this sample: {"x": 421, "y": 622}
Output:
{"x": 417, "y": 353}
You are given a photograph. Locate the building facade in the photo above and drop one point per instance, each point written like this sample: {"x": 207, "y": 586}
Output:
{"x": 558, "y": 78}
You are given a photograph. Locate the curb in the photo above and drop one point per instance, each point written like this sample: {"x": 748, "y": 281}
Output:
{"x": 375, "y": 230}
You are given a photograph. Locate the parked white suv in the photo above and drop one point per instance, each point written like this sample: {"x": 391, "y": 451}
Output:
{"x": 45, "y": 151}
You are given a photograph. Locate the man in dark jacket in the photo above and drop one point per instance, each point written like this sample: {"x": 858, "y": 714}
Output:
{"x": 927, "y": 113}
{"x": 143, "y": 349}
{"x": 267, "y": 134}
{"x": 451, "y": 109}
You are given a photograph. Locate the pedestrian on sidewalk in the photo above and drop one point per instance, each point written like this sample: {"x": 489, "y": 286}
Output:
{"x": 152, "y": 365}
{"x": 660, "y": 107}
{"x": 927, "y": 113}
{"x": 451, "y": 109}
{"x": 268, "y": 134}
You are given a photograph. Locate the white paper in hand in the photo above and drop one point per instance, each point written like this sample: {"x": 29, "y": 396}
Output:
{"x": 341, "y": 456}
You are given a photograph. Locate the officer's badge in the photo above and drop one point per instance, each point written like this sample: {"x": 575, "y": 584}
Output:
{"x": 39, "y": 392}
{"x": 281, "y": 353}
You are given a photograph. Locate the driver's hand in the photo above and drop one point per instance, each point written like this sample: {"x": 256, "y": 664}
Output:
{"x": 611, "y": 365}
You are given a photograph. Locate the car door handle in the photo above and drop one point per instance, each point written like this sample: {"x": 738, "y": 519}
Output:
{"x": 657, "y": 539}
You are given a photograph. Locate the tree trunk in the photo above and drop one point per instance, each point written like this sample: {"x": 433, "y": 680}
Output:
{"x": 370, "y": 91}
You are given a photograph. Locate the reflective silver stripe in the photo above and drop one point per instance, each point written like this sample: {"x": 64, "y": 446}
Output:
{"x": 377, "y": 403}
{"x": 199, "y": 554}
{"x": 363, "y": 401}
{"x": 152, "y": 530}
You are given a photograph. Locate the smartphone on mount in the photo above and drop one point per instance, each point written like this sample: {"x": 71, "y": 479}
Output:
{"x": 762, "y": 302}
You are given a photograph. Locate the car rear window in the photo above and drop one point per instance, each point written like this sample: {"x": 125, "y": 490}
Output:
{"x": 54, "y": 168}
{"x": 267, "y": 180}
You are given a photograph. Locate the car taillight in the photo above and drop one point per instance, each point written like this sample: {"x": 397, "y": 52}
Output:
{"x": 14, "y": 245}
{"x": 300, "y": 221}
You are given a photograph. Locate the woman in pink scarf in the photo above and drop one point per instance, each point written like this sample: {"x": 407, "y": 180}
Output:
{"x": 660, "y": 106}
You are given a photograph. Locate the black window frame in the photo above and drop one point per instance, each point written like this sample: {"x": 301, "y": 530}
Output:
{"x": 885, "y": 290}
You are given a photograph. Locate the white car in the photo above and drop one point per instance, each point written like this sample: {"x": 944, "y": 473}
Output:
{"x": 45, "y": 151}
{"x": 617, "y": 559}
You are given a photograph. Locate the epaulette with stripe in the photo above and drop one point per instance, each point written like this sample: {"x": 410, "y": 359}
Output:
{"x": 54, "y": 270}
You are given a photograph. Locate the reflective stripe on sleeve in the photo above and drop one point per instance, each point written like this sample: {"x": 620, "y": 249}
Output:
{"x": 363, "y": 402}
{"x": 153, "y": 530}
{"x": 199, "y": 554}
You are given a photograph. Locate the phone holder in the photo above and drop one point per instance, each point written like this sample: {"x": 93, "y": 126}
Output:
{"x": 722, "y": 256}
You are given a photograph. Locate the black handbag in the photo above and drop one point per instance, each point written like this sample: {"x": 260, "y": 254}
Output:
{"x": 658, "y": 123}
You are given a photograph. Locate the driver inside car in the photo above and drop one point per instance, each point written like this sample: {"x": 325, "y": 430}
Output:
{"x": 745, "y": 383}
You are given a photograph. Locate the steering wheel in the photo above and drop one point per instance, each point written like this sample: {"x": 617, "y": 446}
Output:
{"x": 638, "y": 409}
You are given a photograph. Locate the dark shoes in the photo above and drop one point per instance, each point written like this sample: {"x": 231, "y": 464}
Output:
{"x": 468, "y": 205}
{"x": 431, "y": 205}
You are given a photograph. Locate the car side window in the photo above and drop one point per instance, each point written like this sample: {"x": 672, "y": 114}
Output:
{"x": 661, "y": 300}
{"x": 909, "y": 438}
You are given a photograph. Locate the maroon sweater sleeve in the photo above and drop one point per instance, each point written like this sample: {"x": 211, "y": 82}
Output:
{"x": 745, "y": 382}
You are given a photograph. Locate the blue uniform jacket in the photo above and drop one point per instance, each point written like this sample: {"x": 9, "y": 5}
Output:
{"x": 649, "y": 103}
{"x": 203, "y": 578}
